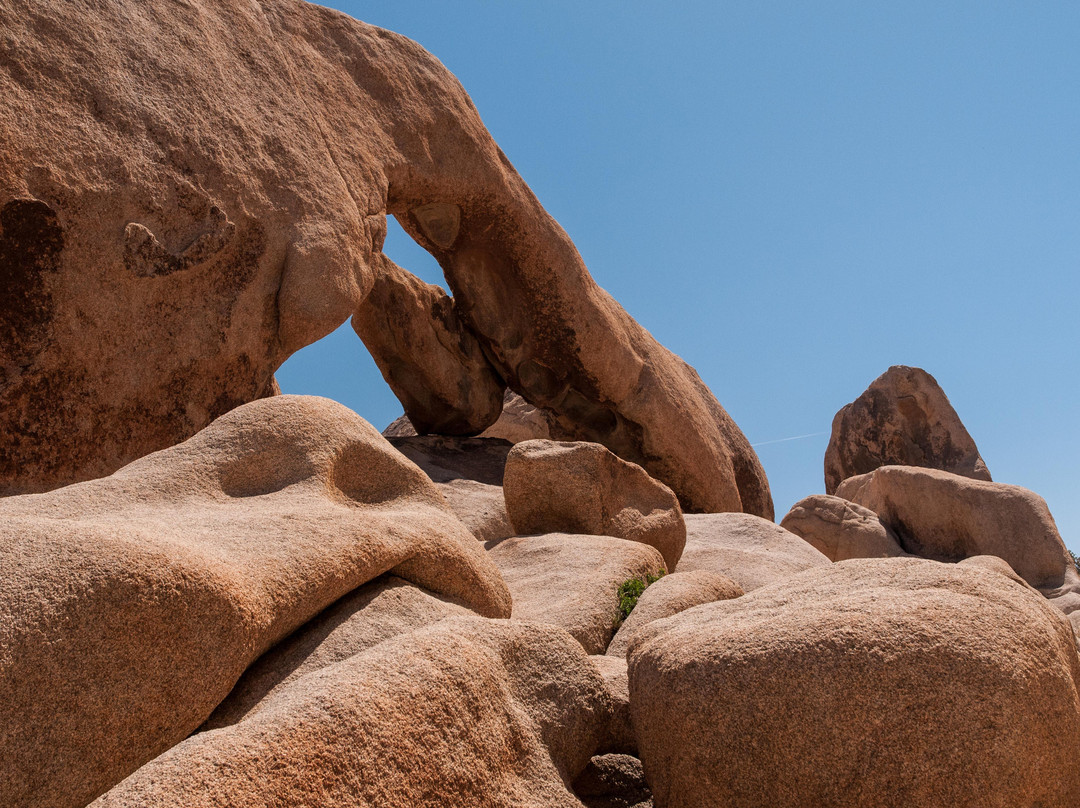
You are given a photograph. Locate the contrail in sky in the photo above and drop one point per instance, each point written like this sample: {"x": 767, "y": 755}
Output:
{"x": 785, "y": 440}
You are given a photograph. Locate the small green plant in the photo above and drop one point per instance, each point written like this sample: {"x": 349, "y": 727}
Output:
{"x": 1076, "y": 560}
{"x": 629, "y": 592}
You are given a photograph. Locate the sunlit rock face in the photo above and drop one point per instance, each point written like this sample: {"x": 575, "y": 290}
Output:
{"x": 189, "y": 193}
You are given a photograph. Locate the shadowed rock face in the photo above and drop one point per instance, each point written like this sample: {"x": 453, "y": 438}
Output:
{"x": 190, "y": 193}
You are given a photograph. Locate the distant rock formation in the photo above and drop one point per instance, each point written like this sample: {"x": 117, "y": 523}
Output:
{"x": 174, "y": 228}
{"x": 903, "y": 419}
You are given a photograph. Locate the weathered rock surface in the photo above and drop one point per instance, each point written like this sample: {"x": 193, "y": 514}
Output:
{"x": 572, "y": 581}
{"x": 369, "y": 615}
{"x": 750, "y": 551}
{"x": 618, "y": 735}
{"x": 670, "y": 595}
{"x": 841, "y": 529}
{"x": 553, "y": 487}
{"x": 469, "y": 474}
{"x": 130, "y": 605}
{"x": 190, "y": 193}
{"x": 466, "y": 712}
{"x": 872, "y": 682}
{"x": 903, "y": 418}
{"x": 432, "y": 362}
{"x": 613, "y": 781}
{"x": 948, "y": 517}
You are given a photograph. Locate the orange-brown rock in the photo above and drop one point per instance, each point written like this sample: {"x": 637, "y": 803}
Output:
{"x": 948, "y": 517}
{"x": 903, "y": 418}
{"x": 871, "y": 682}
{"x": 130, "y": 605}
{"x": 189, "y": 193}
{"x": 841, "y": 529}
{"x": 749, "y": 550}
{"x": 466, "y": 712}
{"x": 618, "y": 735}
{"x": 578, "y": 487}
{"x": 371, "y": 614}
{"x": 572, "y": 581}
{"x": 469, "y": 474}
{"x": 432, "y": 362}
{"x": 670, "y": 595}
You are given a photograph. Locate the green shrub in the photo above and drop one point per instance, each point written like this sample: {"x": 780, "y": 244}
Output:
{"x": 1076, "y": 560}
{"x": 629, "y": 592}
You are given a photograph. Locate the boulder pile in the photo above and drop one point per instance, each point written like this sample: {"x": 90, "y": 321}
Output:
{"x": 555, "y": 581}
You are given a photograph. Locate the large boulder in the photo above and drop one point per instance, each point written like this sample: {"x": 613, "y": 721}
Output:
{"x": 670, "y": 595}
{"x": 573, "y": 581}
{"x": 749, "y": 550}
{"x": 903, "y": 418}
{"x": 841, "y": 529}
{"x": 469, "y": 474}
{"x": 189, "y": 193}
{"x": 466, "y": 712}
{"x": 373, "y": 613}
{"x": 948, "y": 517}
{"x": 130, "y": 605}
{"x": 578, "y": 487}
{"x": 872, "y": 682}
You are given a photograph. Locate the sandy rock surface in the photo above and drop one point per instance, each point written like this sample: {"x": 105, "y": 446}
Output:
{"x": 572, "y": 581}
{"x": 750, "y": 551}
{"x": 130, "y": 605}
{"x": 172, "y": 235}
{"x": 367, "y": 616}
{"x": 871, "y": 682}
{"x": 618, "y": 736}
{"x": 467, "y": 712}
{"x": 670, "y": 595}
{"x": 577, "y": 487}
{"x": 469, "y": 474}
{"x": 948, "y": 517}
{"x": 841, "y": 529}
{"x": 903, "y": 418}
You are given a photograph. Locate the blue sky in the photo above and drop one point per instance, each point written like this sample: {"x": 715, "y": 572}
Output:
{"x": 793, "y": 198}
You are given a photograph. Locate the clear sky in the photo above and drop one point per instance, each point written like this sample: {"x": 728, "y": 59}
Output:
{"x": 793, "y": 197}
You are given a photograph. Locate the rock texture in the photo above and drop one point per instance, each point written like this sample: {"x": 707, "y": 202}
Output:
{"x": 948, "y": 517}
{"x": 130, "y": 605}
{"x": 884, "y": 682}
{"x": 903, "y": 418}
{"x": 670, "y": 595}
{"x": 618, "y": 735}
{"x": 469, "y": 474}
{"x": 572, "y": 581}
{"x": 613, "y": 781}
{"x": 578, "y": 487}
{"x": 432, "y": 362}
{"x": 191, "y": 192}
{"x": 841, "y": 529}
{"x": 467, "y": 712}
{"x": 371, "y": 614}
{"x": 750, "y": 551}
